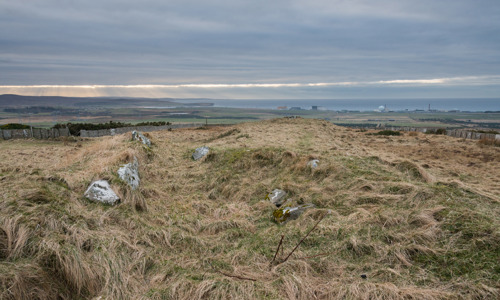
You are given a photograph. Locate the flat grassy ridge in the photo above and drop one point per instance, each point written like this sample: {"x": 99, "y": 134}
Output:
{"x": 396, "y": 217}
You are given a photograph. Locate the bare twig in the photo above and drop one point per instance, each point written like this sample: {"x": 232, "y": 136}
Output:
{"x": 235, "y": 276}
{"x": 231, "y": 275}
{"x": 277, "y": 250}
{"x": 290, "y": 254}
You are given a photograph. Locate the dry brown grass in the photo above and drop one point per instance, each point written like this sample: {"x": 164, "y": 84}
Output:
{"x": 202, "y": 229}
{"x": 489, "y": 142}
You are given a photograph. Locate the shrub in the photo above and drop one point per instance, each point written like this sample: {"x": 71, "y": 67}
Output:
{"x": 14, "y": 126}
{"x": 436, "y": 131}
{"x": 159, "y": 123}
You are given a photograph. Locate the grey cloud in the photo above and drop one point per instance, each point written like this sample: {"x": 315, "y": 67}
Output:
{"x": 127, "y": 42}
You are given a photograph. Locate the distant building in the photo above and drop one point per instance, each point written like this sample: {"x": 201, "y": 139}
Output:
{"x": 314, "y": 107}
{"x": 282, "y": 107}
{"x": 295, "y": 108}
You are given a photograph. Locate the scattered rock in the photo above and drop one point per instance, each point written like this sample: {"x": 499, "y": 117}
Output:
{"x": 130, "y": 174}
{"x": 313, "y": 163}
{"x": 101, "y": 191}
{"x": 137, "y": 136}
{"x": 287, "y": 213}
{"x": 200, "y": 152}
{"x": 277, "y": 197}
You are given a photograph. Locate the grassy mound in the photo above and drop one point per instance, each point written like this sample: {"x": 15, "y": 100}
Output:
{"x": 384, "y": 225}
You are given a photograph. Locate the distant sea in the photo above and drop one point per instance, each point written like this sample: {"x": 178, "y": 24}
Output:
{"x": 490, "y": 104}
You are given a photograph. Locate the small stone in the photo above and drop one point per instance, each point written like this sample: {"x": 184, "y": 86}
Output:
{"x": 287, "y": 213}
{"x": 363, "y": 276}
{"x": 130, "y": 174}
{"x": 137, "y": 136}
{"x": 200, "y": 152}
{"x": 313, "y": 163}
{"x": 101, "y": 191}
{"x": 277, "y": 197}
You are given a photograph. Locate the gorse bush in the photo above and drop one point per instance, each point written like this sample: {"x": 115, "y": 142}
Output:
{"x": 436, "y": 131}
{"x": 387, "y": 132}
{"x": 159, "y": 123}
{"x": 14, "y": 126}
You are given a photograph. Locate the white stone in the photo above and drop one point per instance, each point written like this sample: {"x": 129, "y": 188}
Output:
{"x": 277, "y": 197}
{"x": 313, "y": 163}
{"x": 200, "y": 152}
{"x": 140, "y": 137}
{"x": 130, "y": 174}
{"x": 101, "y": 191}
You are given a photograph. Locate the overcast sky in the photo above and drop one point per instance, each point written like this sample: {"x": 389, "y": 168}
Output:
{"x": 251, "y": 49}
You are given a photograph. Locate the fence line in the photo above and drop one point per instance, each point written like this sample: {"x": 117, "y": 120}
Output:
{"x": 36, "y": 133}
{"x": 459, "y": 133}
{"x": 115, "y": 131}
{"x": 42, "y": 133}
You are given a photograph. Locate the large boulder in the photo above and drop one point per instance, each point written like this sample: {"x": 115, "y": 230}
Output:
{"x": 100, "y": 191}
{"x": 137, "y": 136}
{"x": 277, "y": 197}
{"x": 287, "y": 213}
{"x": 200, "y": 152}
{"x": 130, "y": 174}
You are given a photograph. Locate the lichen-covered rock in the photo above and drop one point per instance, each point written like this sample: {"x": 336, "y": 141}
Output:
{"x": 130, "y": 174}
{"x": 287, "y": 213}
{"x": 200, "y": 152}
{"x": 101, "y": 191}
{"x": 313, "y": 164}
{"x": 137, "y": 136}
{"x": 277, "y": 197}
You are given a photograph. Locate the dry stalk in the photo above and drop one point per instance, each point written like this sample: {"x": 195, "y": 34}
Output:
{"x": 230, "y": 275}
{"x": 277, "y": 250}
{"x": 235, "y": 276}
{"x": 302, "y": 240}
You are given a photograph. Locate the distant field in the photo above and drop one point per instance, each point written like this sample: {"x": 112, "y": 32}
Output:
{"x": 137, "y": 110}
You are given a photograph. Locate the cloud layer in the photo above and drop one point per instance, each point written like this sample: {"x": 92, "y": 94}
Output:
{"x": 218, "y": 45}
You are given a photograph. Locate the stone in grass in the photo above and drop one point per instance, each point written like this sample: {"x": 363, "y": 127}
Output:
{"x": 100, "y": 191}
{"x": 313, "y": 163}
{"x": 277, "y": 197}
{"x": 200, "y": 152}
{"x": 287, "y": 213}
{"x": 130, "y": 174}
{"x": 137, "y": 136}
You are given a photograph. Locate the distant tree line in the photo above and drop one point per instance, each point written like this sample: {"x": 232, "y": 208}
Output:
{"x": 14, "y": 126}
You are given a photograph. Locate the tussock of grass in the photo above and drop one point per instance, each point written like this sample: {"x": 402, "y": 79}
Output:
{"x": 203, "y": 229}
{"x": 414, "y": 171}
{"x": 489, "y": 142}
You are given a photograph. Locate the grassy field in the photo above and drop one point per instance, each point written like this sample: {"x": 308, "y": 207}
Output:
{"x": 395, "y": 217}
